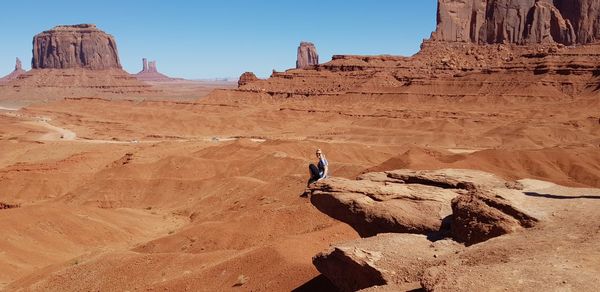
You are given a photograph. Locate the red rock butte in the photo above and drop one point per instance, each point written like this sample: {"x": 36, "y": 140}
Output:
{"x": 150, "y": 73}
{"x": 307, "y": 55}
{"x": 75, "y": 46}
{"x": 71, "y": 61}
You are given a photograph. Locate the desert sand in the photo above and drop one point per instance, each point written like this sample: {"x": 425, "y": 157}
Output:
{"x": 196, "y": 194}
{"x": 197, "y": 186}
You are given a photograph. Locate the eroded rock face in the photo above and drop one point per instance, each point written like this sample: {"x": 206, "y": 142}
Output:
{"x": 518, "y": 21}
{"x": 75, "y": 46}
{"x": 246, "y": 78}
{"x": 401, "y": 214}
{"x": 400, "y": 201}
{"x": 373, "y": 206}
{"x": 382, "y": 260}
{"x": 584, "y": 16}
{"x": 307, "y": 55}
{"x": 481, "y": 215}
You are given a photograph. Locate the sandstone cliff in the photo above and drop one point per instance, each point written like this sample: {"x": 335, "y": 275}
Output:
{"x": 75, "y": 46}
{"x": 518, "y": 21}
{"x": 307, "y": 55}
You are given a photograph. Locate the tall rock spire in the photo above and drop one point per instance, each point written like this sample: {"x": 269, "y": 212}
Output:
{"x": 307, "y": 55}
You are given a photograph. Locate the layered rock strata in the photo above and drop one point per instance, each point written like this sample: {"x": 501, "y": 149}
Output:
{"x": 497, "y": 48}
{"x": 75, "y": 46}
{"x": 307, "y": 55}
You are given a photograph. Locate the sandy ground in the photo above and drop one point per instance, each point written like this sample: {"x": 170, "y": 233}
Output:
{"x": 132, "y": 195}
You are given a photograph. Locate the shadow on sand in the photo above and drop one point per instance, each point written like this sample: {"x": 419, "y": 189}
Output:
{"x": 550, "y": 196}
{"x": 317, "y": 284}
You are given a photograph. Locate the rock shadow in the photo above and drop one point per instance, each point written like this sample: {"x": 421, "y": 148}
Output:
{"x": 559, "y": 197}
{"x": 319, "y": 283}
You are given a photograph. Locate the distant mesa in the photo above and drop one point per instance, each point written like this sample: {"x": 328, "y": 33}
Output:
{"x": 15, "y": 73}
{"x": 307, "y": 55}
{"x": 75, "y": 46}
{"x": 518, "y": 22}
{"x": 150, "y": 73}
{"x": 246, "y": 78}
{"x": 73, "y": 61}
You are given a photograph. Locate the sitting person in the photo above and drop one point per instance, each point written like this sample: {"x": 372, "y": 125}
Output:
{"x": 319, "y": 171}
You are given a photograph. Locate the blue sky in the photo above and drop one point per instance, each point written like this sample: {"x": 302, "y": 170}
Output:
{"x": 211, "y": 39}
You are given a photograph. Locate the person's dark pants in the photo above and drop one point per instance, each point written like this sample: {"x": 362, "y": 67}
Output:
{"x": 314, "y": 174}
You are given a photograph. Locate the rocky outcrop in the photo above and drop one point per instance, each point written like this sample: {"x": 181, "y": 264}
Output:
{"x": 404, "y": 215}
{"x": 481, "y": 215}
{"x": 419, "y": 202}
{"x": 307, "y": 55}
{"x": 386, "y": 204}
{"x": 382, "y": 260}
{"x": 75, "y": 46}
{"x": 15, "y": 73}
{"x": 150, "y": 73}
{"x": 246, "y": 78}
{"x": 518, "y": 21}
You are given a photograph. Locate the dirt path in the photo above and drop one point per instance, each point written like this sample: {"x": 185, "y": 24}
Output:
{"x": 56, "y": 133}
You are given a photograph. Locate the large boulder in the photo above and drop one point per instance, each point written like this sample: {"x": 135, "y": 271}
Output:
{"x": 518, "y": 21}
{"x": 481, "y": 215}
{"x": 401, "y": 201}
{"x": 75, "y": 46}
{"x": 381, "y": 206}
{"x": 385, "y": 259}
{"x": 307, "y": 55}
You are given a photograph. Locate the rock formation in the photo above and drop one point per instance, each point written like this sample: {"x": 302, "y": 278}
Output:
{"x": 75, "y": 46}
{"x": 382, "y": 259}
{"x": 307, "y": 55}
{"x": 518, "y": 21}
{"x": 74, "y": 61}
{"x": 150, "y": 73}
{"x": 18, "y": 65}
{"x": 15, "y": 73}
{"x": 385, "y": 205}
{"x": 246, "y": 78}
{"x": 584, "y": 16}
{"x": 401, "y": 214}
{"x": 480, "y": 215}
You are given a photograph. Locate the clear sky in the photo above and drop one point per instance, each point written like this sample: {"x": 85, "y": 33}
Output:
{"x": 212, "y": 39}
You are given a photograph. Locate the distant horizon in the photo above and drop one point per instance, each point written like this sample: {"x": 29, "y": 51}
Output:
{"x": 222, "y": 40}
